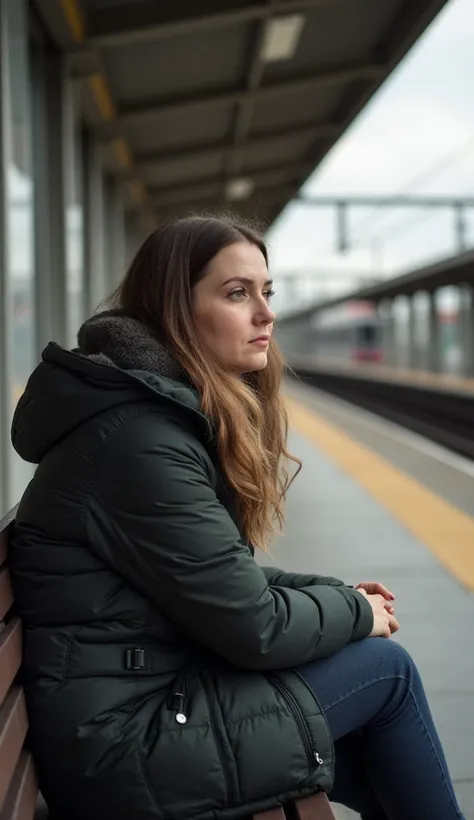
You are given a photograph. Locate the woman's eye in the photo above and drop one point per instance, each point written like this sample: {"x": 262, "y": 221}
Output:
{"x": 239, "y": 292}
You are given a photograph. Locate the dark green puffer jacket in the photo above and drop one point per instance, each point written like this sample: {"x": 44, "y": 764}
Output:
{"x": 159, "y": 656}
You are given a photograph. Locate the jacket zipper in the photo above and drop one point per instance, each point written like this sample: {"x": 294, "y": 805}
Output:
{"x": 178, "y": 704}
{"x": 314, "y": 758}
{"x": 178, "y": 699}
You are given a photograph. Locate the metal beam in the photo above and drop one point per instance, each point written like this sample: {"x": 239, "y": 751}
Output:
{"x": 118, "y": 29}
{"x": 164, "y": 197}
{"x": 148, "y": 161}
{"x": 395, "y": 201}
{"x": 313, "y": 82}
{"x": 341, "y": 204}
{"x": 215, "y": 187}
{"x": 244, "y": 110}
{"x": 64, "y": 22}
{"x": 257, "y": 208}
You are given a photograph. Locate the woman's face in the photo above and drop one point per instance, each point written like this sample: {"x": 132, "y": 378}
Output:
{"x": 232, "y": 310}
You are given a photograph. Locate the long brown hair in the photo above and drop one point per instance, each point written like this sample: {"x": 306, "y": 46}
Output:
{"x": 249, "y": 413}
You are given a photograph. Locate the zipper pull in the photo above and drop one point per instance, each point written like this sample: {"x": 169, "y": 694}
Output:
{"x": 318, "y": 758}
{"x": 178, "y": 705}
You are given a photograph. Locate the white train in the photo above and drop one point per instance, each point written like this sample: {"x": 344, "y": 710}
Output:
{"x": 350, "y": 332}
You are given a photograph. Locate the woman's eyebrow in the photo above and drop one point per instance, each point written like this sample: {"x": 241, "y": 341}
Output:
{"x": 244, "y": 280}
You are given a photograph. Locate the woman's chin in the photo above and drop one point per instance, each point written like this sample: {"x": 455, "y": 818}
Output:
{"x": 257, "y": 362}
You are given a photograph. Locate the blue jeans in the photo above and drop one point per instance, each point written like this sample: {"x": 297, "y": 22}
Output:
{"x": 389, "y": 761}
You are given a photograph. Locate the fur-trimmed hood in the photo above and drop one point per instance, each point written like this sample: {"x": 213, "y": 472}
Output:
{"x": 120, "y": 341}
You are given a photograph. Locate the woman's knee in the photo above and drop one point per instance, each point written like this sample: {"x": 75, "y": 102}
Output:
{"x": 358, "y": 684}
{"x": 388, "y": 655}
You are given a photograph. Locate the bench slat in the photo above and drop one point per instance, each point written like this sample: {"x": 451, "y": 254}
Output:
{"x": 20, "y": 802}
{"x": 10, "y": 655}
{"x": 6, "y": 592}
{"x": 271, "y": 814}
{"x": 5, "y": 527}
{"x": 13, "y": 728}
{"x": 316, "y": 807}
{"x": 3, "y": 546}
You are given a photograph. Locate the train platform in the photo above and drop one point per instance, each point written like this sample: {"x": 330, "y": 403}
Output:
{"x": 377, "y": 502}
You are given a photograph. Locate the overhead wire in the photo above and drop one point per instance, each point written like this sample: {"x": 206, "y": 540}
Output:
{"x": 424, "y": 176}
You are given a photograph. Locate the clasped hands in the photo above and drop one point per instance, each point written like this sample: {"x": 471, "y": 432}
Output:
{"x": 380, "y": 598}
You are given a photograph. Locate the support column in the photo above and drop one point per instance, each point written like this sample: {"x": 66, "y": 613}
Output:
{"x": 132, "y": 236}
{"x": 466, "y": 319}
{"x": 434, "y": 359}
{"x": 412, "y": 351}
{"x": 117, "y": 269}
{"x": 114, "y": 244}
{"x": 387, "y": 317}
{"x": 96, "y": 289}
{"x": 6, "y": 341}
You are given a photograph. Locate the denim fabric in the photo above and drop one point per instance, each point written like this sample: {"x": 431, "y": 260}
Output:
{"x": 389, "y": 761}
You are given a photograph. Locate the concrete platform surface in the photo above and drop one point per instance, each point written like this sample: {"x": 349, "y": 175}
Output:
{"x": 335, "y": 527}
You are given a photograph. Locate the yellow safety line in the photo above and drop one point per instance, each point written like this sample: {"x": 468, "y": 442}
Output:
{"x": 443, "y": 528}
{"x": 75, "y": 19}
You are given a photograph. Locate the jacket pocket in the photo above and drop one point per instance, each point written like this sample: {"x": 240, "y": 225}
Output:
{"x": 179, "y": 747}
{"x": 312, "y": 754}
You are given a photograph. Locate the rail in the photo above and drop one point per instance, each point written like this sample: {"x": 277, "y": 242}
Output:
{"x": 439, "y": 410}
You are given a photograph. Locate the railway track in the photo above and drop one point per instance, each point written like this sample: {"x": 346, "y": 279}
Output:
{"x": 443, "y": 416}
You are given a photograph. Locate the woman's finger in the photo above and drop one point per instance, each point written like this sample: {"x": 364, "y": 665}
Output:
{"x": 393, "y": 624}
{"x": 376, "y": 588}
{"x": 382, "y": 590}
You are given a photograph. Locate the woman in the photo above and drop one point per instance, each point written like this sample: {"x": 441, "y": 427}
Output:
{"x": 167, "y": 674}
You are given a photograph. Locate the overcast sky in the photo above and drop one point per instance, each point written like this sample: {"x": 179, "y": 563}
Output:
{"x": 416, "y": 136}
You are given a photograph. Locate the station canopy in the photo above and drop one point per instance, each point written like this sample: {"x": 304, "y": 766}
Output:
{"x": 205, "y": 104}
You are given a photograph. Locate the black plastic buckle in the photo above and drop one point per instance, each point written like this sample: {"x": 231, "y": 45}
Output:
{"x": 136, "y": 659}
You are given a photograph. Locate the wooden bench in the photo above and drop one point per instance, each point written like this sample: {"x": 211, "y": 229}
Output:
{"x": 19, "y": 796}
{"x": 18, "y": 783}
{"x": 316, "y": 807}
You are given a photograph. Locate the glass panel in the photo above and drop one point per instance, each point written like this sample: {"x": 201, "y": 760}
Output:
{"x": 74, "y": 218}
{"x": 367, "y": 334}
{"x": 19, "y": 238}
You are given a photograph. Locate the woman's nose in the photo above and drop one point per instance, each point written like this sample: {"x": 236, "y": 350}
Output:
{"x": 266, "y": 314}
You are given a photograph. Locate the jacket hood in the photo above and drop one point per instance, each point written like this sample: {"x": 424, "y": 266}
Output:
{"x": 118, "y": 360}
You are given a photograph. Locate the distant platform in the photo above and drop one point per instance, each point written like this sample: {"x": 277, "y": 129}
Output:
{"x": 448, "y": 382}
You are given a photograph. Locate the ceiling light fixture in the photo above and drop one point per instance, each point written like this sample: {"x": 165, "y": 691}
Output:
{"x": 281, "y": 37}
{"x": 239, "y": 188}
